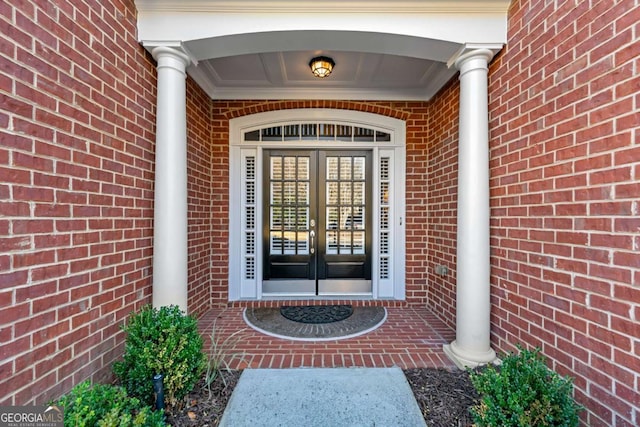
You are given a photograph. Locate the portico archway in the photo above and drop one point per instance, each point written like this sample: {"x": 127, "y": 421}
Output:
{"x": 439, "y": 37}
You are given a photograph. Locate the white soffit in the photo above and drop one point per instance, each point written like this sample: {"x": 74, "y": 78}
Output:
{"x": 383, "y": 50}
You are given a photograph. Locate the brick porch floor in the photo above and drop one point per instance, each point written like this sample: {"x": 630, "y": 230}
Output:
{"x": 411, "y": 337}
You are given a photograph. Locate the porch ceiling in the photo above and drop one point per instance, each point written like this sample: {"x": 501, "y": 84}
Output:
{"x": 384, "y": 50}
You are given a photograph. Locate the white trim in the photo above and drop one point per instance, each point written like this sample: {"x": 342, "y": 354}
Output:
{"x": 328, "y": 6}
{"x": 288, "y": 337}
{"x": 411, "y": 94}
{"x": 305, "y": 115}
{"x": 471, "y": 21}
{"x": 242, "y": 289}
{"x": 235, "y": 227}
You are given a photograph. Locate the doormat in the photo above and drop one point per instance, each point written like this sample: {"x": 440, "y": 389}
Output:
{"x": 316, "y": 313}
{"x": 271, "y": 321}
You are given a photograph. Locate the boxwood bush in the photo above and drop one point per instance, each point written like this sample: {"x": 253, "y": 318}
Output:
{"x": 523, "y": 392}
{"x": 161, "y": 341}
{"x": 105, "y": 405}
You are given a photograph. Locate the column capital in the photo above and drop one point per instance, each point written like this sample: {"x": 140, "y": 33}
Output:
{"x": 473, "y": 59}
{"x": 470, "y": 51}
{"x": 171, "y": 57}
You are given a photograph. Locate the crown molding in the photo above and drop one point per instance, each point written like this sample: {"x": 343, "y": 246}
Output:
{"x": 348, "y": 94}
{"x": 326, "y": 6}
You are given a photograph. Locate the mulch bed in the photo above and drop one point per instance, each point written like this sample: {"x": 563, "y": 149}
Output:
{"x": 204, "y": 409}
{"x": 444, "y": 398}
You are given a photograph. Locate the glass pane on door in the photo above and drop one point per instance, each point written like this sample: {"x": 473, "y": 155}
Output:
{"x": 345, "y": 205}
{"x": 289, "y": 206}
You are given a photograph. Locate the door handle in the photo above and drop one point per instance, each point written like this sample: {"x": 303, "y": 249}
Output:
{"x": 312, "y": 234}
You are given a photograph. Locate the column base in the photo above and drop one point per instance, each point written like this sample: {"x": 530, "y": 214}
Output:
{"x": 468, "y": 359}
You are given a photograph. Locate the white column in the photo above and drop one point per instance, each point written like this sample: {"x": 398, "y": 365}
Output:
{"x": 170, "y": 209}
{"x": 472, "y": 346}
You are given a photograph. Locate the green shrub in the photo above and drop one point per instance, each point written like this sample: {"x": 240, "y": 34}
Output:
{"x": 523, "y": 392}
{"x": 105, "y": 405}
{"x": 161, "y": 341}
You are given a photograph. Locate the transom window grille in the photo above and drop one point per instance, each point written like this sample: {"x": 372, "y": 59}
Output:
{"x": 317, "y": 132}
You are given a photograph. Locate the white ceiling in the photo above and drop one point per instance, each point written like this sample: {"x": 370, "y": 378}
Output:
{"x": 359, "y": 75}
{"x": 245, "y": 49}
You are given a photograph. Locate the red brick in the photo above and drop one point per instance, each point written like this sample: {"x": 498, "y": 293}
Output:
{"x": 626, "y": 259}
{"x": 626, "y": 293}
{"x": 13, "y": 278}
{"x": 51, "y": 241}
{"x": 34, "y": 226}
{"x": 12, "y": 348}
{"x": 6, "y": 298}
{"x": 625, "y": 326}
{"x": 610, "y": 401}
{"x": 16, "y": 106}
{"x": 610, "y": 175}
{"x": 609, "y": 143}
{"x": 609, "y": 305}
{"x": 15, "y": 176}
{"x": 611, "y": 369}
{"x": 612, "y": 339}
{"x": 36, "y": 291}
{"x": 50, "y": 180}
{"x": 34, "y": 323}
{"x": 24, "y": 377}
{"x": 9, "y": 244}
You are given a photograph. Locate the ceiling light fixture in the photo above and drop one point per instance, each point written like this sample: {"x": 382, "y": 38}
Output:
{"x": 321, "y": 66}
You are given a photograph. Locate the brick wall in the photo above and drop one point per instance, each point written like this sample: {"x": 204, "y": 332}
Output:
{"x": 219, "y": 171}
{"x": 441, "y": 202}
{"x": 565, "y": 168}
{"x": 203, "y": 193}
{"x": 77, "y": 96}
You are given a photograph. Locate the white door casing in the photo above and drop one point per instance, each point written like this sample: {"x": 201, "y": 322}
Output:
{"x": 247, "y": 143}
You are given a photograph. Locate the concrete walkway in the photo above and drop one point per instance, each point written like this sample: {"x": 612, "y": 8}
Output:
{"x": 322, "y": 397}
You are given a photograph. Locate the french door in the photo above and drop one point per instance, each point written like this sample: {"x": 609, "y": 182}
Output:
{"x": 317, "y": 222}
